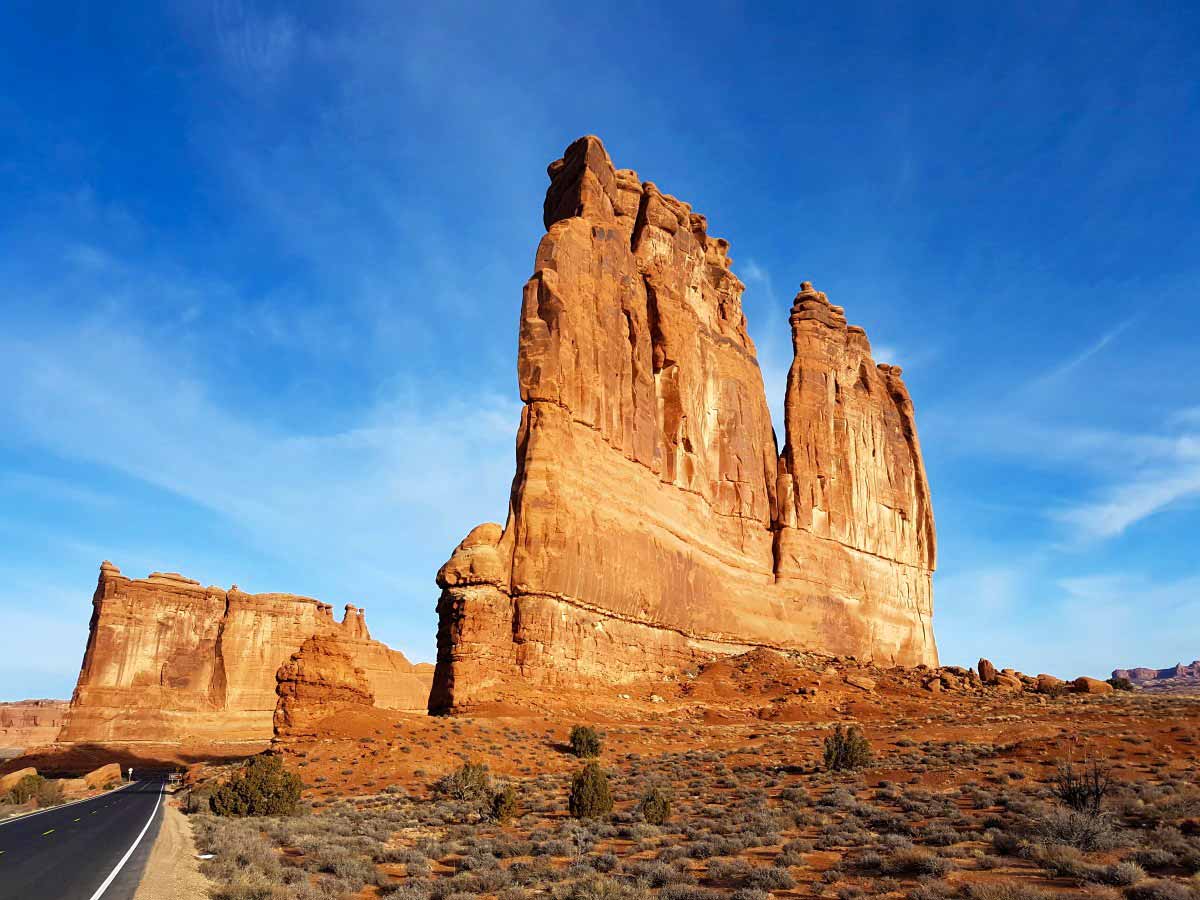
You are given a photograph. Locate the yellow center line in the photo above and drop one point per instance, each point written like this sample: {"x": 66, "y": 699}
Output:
{"x": 76, "y": 820}
{"x": 44, "y": 833}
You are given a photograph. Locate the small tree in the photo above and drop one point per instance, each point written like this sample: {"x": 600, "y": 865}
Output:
{"x": 26, "y": 789}
{"x": 1121, "y": 684}
{"x": 263, "y": 787}
{"x": 504, "y": 805}
{"x": 469, "y": 784}
{"x": 847, "y": 749}
{"x": 655, "y": 806}
{"x": 585, "y": 741}
{"x": 1083, "y": 788}
{"x": 590, "y": 797}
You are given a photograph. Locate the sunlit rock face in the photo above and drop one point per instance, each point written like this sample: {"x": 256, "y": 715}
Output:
{"x": 169, "y": 660}
{"x": 29, "y": 723}
{"x": 653, "y": 519}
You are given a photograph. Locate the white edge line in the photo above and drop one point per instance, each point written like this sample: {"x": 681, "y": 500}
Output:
{"x": 28, "y": 816}
{"x": 128, "y": 853}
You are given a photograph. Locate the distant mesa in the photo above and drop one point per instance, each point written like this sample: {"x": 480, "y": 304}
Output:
{"x": 1179, "y": 678}
{"x": 171, "y": 661}
{"x": 30, "y": 723}
{"x": 654, "y": 519}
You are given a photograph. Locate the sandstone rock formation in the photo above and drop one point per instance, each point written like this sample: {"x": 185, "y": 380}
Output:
{"x": 319, "y": 680}
{"x": 109, "y": 774}
{"x": 1085, "y": 685}
{"x": 168, "y": 660}
{"x": 29, "y": 723}
{"x": 9, "y": 781}
{"x": 653, "y": 519}
{"x": 987, "y": 671}
{"x": 1179, "y": 678}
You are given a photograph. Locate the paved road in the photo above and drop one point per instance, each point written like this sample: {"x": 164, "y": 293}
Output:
{"x": 69, "y": 853}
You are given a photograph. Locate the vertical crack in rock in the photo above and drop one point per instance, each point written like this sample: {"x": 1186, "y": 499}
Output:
{"x": 652, "y": 518}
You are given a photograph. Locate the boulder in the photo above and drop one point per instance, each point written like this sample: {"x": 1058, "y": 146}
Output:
{"x": 862, "y": 682}
{"x": 1008, "y": 682}
{"x": 1048, "y": 684}
{"x": 987, "y": 671}
{"x": 102, "y": 777}
{"x": 1085, "y": 685}
{"x": 8, "y": 781}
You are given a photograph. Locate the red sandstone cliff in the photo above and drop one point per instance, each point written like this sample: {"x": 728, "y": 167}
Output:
{"x": 168, "y": 660}
{"x": 28, "y": 723}
{"x": 652, "y": 517}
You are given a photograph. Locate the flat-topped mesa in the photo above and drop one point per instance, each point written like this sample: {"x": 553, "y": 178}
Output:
{"x": 169, "y": 660}
{"x": 652, "y": 519}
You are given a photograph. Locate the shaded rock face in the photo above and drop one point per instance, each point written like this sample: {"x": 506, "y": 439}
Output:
{"x": 28, "y": 723}
{"x": 653, "y": 519}
{"x": 168, "y": 660}
{"x": 319, "y": 680}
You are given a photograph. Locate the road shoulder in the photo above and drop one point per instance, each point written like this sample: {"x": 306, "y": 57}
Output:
{"x": 172, "y": 872}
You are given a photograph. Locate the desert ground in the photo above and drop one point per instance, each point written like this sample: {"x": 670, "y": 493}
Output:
{"x": 963, "y": 795}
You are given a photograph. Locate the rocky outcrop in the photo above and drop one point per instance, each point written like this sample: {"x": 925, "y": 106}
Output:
{"x": 987, "y": 671}
{"x": 103, "y": 777}
{"x": 169, "y": 660}
{"x": 1179, "y": 678}
{"x": 319, "y": 680}
{"x": 1085, "y": 685}
{"x": 12, "y": 779}
{"x": 653, "y": 519}
{"x": 29, "y": 723}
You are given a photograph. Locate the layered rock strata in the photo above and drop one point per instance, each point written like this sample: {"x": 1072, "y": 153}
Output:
{"x": 169, "y": 660}
{"x": 28, "y": 723}
{"x": 1179, "y": 678}
{"x": 652, "y": 517}
{"x": 320, "y": 680}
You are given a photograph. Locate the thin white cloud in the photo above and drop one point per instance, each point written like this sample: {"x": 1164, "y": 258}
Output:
{"x": 1074, "y": 362}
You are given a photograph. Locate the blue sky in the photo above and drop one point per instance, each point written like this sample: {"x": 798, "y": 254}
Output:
{"x": 262, "y": 266}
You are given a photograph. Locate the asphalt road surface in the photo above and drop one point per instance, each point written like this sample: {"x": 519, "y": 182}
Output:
{"x": 81, "y": 851}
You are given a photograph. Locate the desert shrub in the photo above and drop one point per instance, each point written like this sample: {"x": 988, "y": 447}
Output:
{"x": 503, "y": 805}
{"x": 1004, "y": 890}
{"x": 655, "y": 806}
{"x": 1159, "y": 889}
{"x": 1124, "y": 873}
{"x": 1062, "y": 861}
{"x": 595, "y": 887}
{"x": 25, "y": 789}
{"x": 585, "y": 741}
{"x": 771, "y": 878}
{"x": 263, "y": 787}
{"x": 846, "y": 749}
{"x": 49, "y": 793}
{"x": 1121, "y": 684}
{"x": 1007, "y": 844}
{"x": 198, "y": 800}
{"x": 470, "y": 783}
{"x": 916, "y": 861}
{"x": 590, "y": 797}
{"x": 1083, "y": 788}
{"x": 1084, "y": 831}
